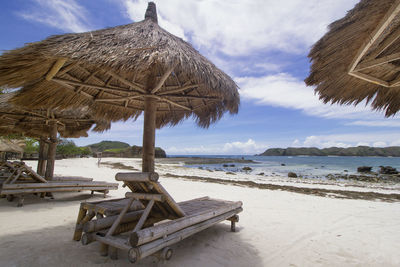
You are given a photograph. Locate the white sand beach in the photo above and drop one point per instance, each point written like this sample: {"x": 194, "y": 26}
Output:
{"x": 276, "y": 228}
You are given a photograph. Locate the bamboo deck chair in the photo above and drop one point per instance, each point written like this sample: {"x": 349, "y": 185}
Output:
{"x": 23, "y": 180}
{"x": 148, "y": 220}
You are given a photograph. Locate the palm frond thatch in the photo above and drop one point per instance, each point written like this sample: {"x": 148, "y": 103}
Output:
{"x": 358, "y": 58}
{"x": 112, "y": 70}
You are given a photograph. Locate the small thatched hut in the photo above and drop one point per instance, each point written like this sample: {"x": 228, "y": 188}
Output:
{"x": 359, "y": 58}
{"x": 119, "y": 72}
{"x": 44, "y": 124}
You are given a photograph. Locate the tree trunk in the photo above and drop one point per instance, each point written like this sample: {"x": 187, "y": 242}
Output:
{"x": 51, "y": 154}
{"x": 41, "y": 168}
{"x": 149, "y": 133}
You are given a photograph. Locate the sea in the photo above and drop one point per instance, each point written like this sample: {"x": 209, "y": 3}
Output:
{"x": 306, "y": 166}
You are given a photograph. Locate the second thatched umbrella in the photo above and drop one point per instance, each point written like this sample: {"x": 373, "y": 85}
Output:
{"x": 45, "y": 124}
{"x": 359, "y": 58}
{"x": 120, "y": 72}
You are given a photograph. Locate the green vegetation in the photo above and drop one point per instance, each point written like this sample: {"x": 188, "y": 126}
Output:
{"x": 67, "y": 148}
{"x": 31, "y": 146}
{"x": 360, "y": 151}
{"x": 106, "y": 145}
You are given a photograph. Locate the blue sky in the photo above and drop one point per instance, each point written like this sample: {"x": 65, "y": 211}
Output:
{"x": 262, "y": 44}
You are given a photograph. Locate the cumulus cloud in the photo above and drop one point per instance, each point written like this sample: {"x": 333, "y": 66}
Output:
{"x": 380, "y": 139}
{"x": 233, "y": 148}
{"x": 284, "y": 90}
{"x": 377, "y": 123}
{"x": 241, "y": 27}
{"x": 66, "y": 15}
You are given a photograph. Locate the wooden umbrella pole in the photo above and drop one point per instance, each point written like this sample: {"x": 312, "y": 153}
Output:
{"x": 51, "y": 154}
{"x": 41, "y": 168}
{"x": 149, "y": 134}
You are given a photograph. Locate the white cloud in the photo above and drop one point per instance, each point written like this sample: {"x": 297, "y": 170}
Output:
{"x": 241, "y": 27}
{"x": 66, "y": 15}
{"x": 233, "y": 148}
{"x": 284, "y": 90}
{"x": 377, "y": 123}
{"x": 380, "y": 139}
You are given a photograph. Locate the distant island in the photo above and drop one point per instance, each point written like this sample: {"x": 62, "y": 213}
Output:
{"x": 359, "y": 151}
{"x": 121, "y": 150}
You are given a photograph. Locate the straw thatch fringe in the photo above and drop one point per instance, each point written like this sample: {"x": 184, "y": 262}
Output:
{"x": 35, "y": 122}
{"x": 135, "y": 52}
{"x": 334, "y": 53}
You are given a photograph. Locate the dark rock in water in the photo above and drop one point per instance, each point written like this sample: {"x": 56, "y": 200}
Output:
{"x": 261, "y": 173}
{"x": 225, "y": 165}
{"x": 346, "y": 171}
{"x": 232, "y": 165}
{"x": 388, "y": 170}
{"x": 292, "y": 175}
{"x": 246, "y": 168}
{"x": 283, "y": 164}
{"x": 364, "y": 169}
{"x": 231, "y": 173}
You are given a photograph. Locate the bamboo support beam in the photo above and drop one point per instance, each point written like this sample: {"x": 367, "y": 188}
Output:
{"x": 142, "y": 196}
{"x": 150, "y": 248}
{"x": 119, "y": 218}
{"x": 384, "y": 23}
{"x": 105, "y": 88}
{"x": 369, "y": 78}
{"x": 149, "y": 234}
{"x": 144, "y": 216}
{"x": 149, "y": 128}
{"x": 51, "y": 154}
{"x": 162, "y": 80}
{"x": 376, "y": 62}
{"x": 106, "y": 222}
{"x": 137, "y": 176}
{"x": 178, "y": 89}
{"x": 55, "y": 68}
{"x": 135, "y": 86}
{"x": 41, "y": 168}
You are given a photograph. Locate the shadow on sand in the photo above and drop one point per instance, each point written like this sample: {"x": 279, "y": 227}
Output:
{"x": 53, "y": 246}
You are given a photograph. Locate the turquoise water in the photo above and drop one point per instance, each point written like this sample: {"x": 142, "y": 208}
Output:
{"x": 308, "y": 166}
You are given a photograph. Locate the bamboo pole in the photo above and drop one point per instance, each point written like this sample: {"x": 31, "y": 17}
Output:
{"x": 51, "y": 154}
{"x": 149, "y": 132}
{"x": 41, "y": 168}
{"x": 149, "y": 234}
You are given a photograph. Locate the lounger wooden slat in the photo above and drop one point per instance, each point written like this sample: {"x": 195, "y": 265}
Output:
{"x": 149, "y": 229}
{"x": 23, "y": 180}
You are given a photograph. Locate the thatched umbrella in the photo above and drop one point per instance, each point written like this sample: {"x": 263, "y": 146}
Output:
{"x": 120, "y": 72}
{"x": 44, "y": 124}
{"x": 359, "y": 58}
{"x": 8, "y": 146}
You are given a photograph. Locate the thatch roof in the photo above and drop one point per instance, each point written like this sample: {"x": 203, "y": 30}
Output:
{"x": 35, "y": 123}
{"x": 113, "y": 69}
{"x": 9, "y": 146}
{"x": 358, "y": 59}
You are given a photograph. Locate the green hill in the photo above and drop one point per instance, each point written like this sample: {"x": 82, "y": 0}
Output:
{"x": 107, "y": 145}
{"x": 360, "y": 151}
{"x": 121, "y": 150}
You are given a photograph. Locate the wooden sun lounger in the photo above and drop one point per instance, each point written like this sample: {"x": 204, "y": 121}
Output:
{"x": 148, "y": 220}
{"x": 23, "y": 180}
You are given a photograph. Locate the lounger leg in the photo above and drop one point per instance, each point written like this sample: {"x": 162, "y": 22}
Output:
{"x": 105, "y": 193}
{"x": 234, "y": 220}
{"x": 113, "y": 251}
{"x": 103, "y": 249}
{"x": 92, "y": 193}
{"x": 10, "y": 198}
{"x": 78, "y": 227}
{"x": 20, "y": 201}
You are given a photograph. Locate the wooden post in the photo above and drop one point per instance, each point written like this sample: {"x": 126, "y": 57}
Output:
{"x": 149, "y": 133}
{"x": 51, "y": 154}
{"x": 41, "y": 168}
